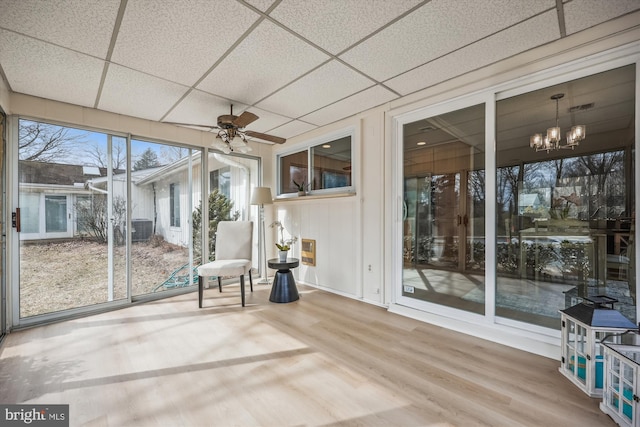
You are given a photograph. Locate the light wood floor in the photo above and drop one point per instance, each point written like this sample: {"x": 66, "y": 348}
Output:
{"x": 321, "y": 361}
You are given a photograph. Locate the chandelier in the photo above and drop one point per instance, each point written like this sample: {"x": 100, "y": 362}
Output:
{"x": 231, "y": 139}
{"x": 553, "y": 139}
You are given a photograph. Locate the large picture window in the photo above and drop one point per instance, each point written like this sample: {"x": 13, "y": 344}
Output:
{"x": 565, "y": 217}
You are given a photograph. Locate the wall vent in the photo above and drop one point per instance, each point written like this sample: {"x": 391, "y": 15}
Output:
{"x": 583, "y": 107}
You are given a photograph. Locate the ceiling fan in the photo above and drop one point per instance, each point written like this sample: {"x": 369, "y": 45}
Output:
{"x": 229, "y": 127}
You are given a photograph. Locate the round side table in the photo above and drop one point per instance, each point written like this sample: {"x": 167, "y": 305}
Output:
{"x": 284, "y": 285}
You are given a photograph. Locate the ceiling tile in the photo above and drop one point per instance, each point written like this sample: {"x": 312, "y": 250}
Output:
{"x": 48, "y": 71}
{"x": 263, "y": 5}
{"x": 437, "y": 28}
{"x": 364, "y": 100}
{"x": 129, "y": 92}
{"x": 312, "y": 91}
{"x": 581, "y": 14}
{"x": 268, "y": 49}
{"x": 331, "y": 24}
{"x": 519, "y": 38}
{"x": 202, "y": 108}
{"x": 179, "y": 41}
{"x": 293, "y": 128}
{"x": 61, "y": 22}
{"x": 267, "y": 120}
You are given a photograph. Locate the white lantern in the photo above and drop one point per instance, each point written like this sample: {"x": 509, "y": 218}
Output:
{"x": 620, "y": 395}
{"x": 583, "y": 327}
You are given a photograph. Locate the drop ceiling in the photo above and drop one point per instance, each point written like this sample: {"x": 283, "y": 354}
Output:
{"x": 296, "y": 64}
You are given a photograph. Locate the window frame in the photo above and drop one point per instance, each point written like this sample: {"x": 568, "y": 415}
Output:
{"x": 307, "y": 147}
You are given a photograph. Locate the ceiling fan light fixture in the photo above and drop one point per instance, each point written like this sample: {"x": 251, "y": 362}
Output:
{"x": 237, "y": 143}
{"x": 243, "y": 149}
{"x": 221, "y": 145}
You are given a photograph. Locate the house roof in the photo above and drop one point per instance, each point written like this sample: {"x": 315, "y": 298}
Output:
{"x": 296, "y": 64}
{"x": 32, "y": 172}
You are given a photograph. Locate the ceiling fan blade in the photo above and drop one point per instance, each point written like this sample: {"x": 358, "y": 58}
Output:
{"x": 193, "y": 125}
{"x": 244, "y": 119}
{"x": 264, "y": 136}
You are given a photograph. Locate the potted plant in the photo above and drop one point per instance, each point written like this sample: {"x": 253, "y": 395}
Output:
{"x": 283, "y": 251}
{"x": 301, "y": 187}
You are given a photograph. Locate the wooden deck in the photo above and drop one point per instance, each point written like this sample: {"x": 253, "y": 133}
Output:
{"x": 324, "y": 360}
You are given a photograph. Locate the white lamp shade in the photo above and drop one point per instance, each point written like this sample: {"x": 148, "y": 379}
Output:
{"x": 236, "y": 143}
{"x": 261, "y": 196}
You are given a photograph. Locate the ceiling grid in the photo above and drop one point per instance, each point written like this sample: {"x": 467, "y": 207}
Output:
{"x": 297, "y": 65}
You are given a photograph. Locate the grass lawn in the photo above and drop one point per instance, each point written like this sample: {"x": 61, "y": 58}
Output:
{"x": 59, "y": 276}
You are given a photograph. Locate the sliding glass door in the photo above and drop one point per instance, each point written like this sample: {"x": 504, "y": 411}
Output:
{"x": 71, "y": 215}
{"x": 565, "y": 226}
{"x": 101, "y": 219}
{"x": 443, "y": 212}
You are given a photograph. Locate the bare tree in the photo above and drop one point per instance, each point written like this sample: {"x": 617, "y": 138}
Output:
{"x": 601, "y": 168}
{"x": 98, "y": 155}
{"x": 93, "y": 217}
{"x": 46, "y": 143}
{"x": 172, "y": 154}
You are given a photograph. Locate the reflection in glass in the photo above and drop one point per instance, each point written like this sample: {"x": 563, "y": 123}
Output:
{"x": 293, "y": 167}
{"x": 331, "y": 164}
{"x": 565, "y": 223}
{"x": 443, "y": 212}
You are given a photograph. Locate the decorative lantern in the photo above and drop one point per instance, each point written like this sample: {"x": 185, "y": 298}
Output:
{"x": 620, "y": 394}
{"x": 583, "y": 327}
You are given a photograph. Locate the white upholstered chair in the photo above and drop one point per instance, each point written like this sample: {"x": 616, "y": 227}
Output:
{"x": 233, "y": 255}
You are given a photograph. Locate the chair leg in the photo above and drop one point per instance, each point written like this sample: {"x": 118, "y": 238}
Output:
{"x": 242, "y": 288}
{"x": 250, "y": 281}
{"x": 220, "y": 283}
{"x": 200, "y": 290}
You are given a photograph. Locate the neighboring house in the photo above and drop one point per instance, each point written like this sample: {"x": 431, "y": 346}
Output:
{"x": 48, "y": 194}
{"x": 164, "y": 195}
{"x": 160, "y": 202}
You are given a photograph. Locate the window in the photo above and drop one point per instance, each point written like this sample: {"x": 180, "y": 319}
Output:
{"x": 293, "y": 170}
{"x": 174, "y": 204}
{"x": 324, "y": 166}
{"x": 221, "y": 179}
{"x": 332, "y": 164}
{"x": 55, "y": 213}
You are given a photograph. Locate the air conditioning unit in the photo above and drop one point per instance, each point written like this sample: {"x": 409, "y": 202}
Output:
{"x": 141, "y": 229}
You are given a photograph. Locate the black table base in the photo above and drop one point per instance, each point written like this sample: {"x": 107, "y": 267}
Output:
{"x": 284, "y": 285}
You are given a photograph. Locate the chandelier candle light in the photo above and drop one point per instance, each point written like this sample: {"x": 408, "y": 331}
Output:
{"x": 553, "y": 139}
